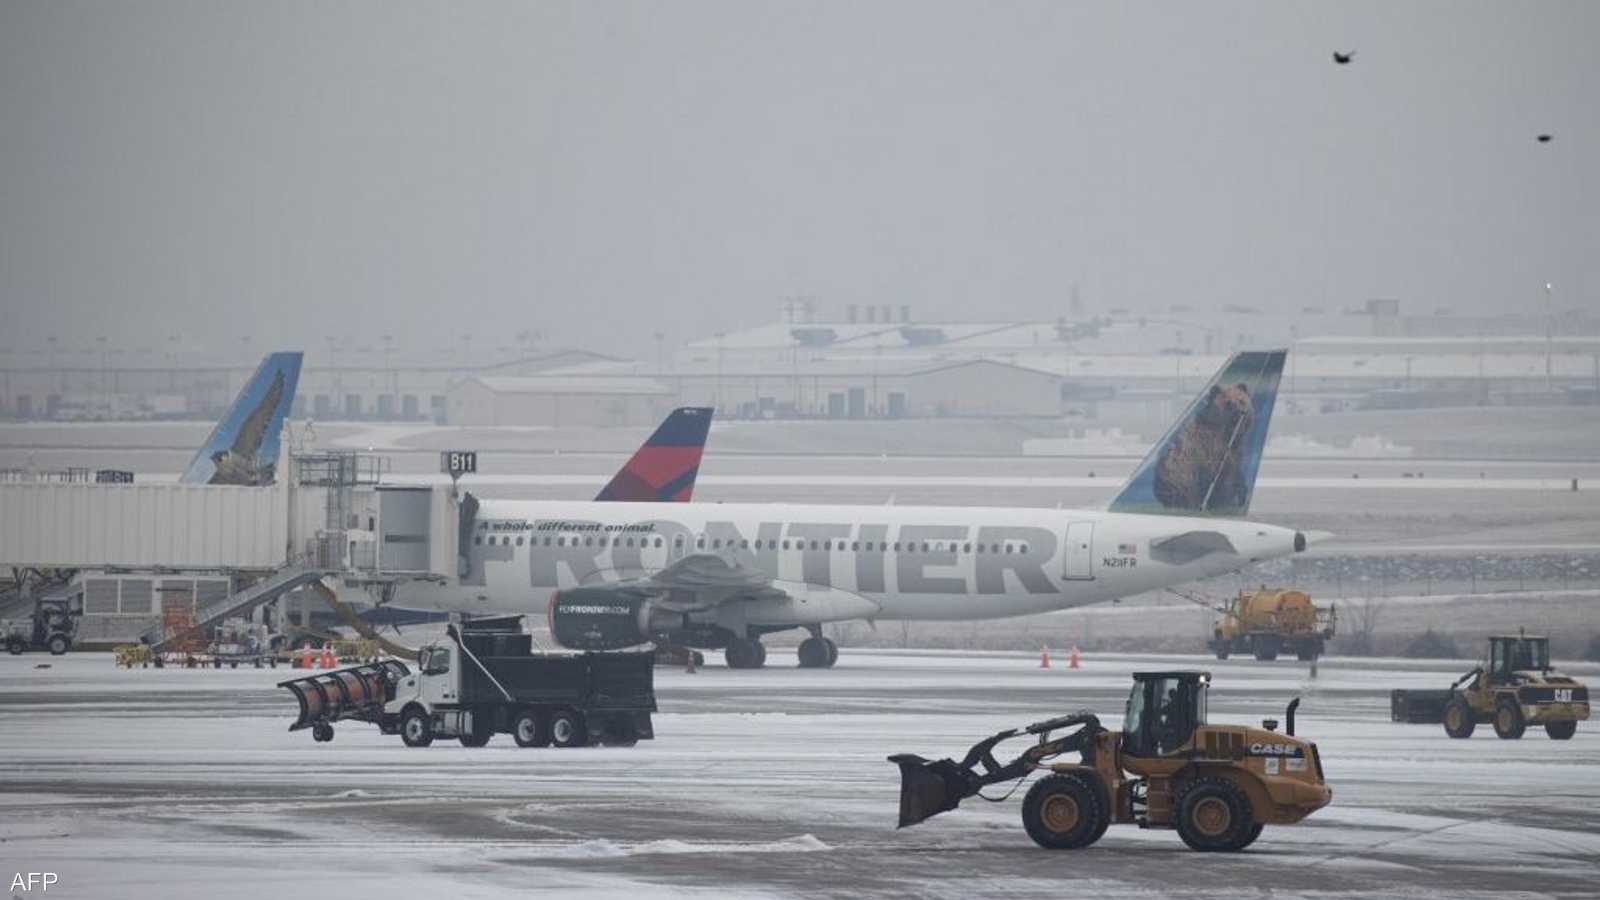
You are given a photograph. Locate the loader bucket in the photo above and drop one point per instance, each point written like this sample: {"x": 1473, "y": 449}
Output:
{"x": 330, "y": 696}
{"x": 928, "y": 788}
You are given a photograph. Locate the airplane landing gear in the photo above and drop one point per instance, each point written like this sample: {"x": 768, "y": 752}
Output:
{"x": 818, "y": 653}
{"x": 746, "y": 654}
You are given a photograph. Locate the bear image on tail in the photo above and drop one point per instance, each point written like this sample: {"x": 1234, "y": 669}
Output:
{"x": 1201, "y": 468}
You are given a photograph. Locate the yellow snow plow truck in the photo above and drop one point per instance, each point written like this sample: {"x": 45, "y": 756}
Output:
{"x": 1218, "y": 785}
{"x": 1267, "y": 622}
{"x": 1514, "y": 687}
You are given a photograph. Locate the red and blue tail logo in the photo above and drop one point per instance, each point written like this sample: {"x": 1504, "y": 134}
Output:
{"x": 664, "y": 469}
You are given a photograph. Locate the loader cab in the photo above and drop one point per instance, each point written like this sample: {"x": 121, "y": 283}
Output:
{"x": 1509, "y": 654}
{"x": 1163, "y": 711}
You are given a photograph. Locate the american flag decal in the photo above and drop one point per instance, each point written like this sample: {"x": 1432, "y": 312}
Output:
{"x": 1128, "y": 549}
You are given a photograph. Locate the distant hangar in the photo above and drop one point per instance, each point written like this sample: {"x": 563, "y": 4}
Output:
{"x": 558, "y": 400}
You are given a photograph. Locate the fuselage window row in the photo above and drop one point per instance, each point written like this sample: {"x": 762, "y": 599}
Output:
{"x": 716, "y": 544}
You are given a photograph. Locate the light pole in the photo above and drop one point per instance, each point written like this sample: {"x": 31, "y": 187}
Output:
{"x": 394, "y": 377}
{"x": 1549, "y": 339}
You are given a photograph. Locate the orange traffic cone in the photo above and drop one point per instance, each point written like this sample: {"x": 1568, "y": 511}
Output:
{"x": 328, "y": 661}
{"x": 1044, "y": 658}
{"x": 1072, "y": 661}
{"x": 305, "y": 658}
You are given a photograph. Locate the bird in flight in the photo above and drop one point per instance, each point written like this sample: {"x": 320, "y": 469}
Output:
{"x": 1343, "y": 59}
{"x": 1544, "y": 138}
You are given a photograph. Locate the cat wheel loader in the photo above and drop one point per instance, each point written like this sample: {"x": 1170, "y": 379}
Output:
{"x": 1217, "y": 785}
{"x": 1514, "y": 687}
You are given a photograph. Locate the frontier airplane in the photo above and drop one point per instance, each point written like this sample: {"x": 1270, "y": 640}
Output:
{"x": 610, "y": 575}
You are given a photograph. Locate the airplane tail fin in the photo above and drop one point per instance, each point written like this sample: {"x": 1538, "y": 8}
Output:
{"x": 1206, "y": 463}
{"x": 243, "y": 447}
{"x": 664, "y": 469}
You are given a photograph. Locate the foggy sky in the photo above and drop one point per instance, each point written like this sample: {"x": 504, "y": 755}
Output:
{"x": 604, "y": 171}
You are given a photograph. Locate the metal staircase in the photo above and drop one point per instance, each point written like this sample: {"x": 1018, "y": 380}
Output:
{"x": 241, "y": 601}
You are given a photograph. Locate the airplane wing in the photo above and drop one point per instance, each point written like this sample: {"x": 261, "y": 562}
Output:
{"x": 696, "y": 582}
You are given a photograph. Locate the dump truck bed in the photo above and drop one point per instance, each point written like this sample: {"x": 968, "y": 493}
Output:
{"x": 592, "y": 680}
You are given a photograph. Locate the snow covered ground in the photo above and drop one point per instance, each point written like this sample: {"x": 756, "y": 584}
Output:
{"x": 184, "y": 783}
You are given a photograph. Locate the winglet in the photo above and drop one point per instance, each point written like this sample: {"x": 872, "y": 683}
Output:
{"x": 243, "y": 447}
{"x": 664, "y": 469}
{"x": 1206, "y": 463}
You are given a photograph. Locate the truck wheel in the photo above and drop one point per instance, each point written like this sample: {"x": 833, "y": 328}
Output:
{"x": 530, "y": 730}
{"x": 567, "y": 729}
{"x": 1250, "y": 837}
{"x": 1458, "y": 719}
{"x": 1267, "y": 649}
{"x": 1222, "y": 651}
{"x": 1561, "y": 731}
{"x": 1214, "y": 815}
{"x": 416, "y": 729}
{"x": 1063, "y": 812}
{"x": 14, "y": 647}
{"x": 59, "y": 644}
{"x": 1508, "y": 723}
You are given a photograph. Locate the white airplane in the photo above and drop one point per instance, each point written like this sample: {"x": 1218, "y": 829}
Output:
{"x": 611, "y": 575}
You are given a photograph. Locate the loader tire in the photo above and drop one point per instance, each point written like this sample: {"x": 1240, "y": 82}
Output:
{"x": 1561, "y": 731}
{"x": 1064, "y": 812}
{"x": 1251, "y": 835}
{"x": 1508, "y": 721}
{"x": 1214, "y": 816}
{"x": 416, "y": 729}
{"x": 1458, "y": 719}
{"x": 530, "y": 729}
{"x": 59, "y": 644}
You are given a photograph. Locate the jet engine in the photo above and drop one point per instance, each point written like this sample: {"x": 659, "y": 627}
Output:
{"x": 606, "y": 618}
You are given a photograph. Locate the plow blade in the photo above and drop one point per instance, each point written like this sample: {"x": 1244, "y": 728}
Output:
{"x": 928, "y": 788}
{"x": 344, "y": 693}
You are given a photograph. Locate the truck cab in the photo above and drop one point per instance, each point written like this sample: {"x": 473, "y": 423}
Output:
{"x": 53, "y": 627}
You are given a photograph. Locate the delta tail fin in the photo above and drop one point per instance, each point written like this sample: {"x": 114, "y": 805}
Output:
{"x": 243, "y": 447}
{"x": 664, "y": 469}
{"x": 1206, "y": 463}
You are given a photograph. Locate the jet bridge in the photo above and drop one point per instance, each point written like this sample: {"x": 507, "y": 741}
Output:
{"x": 334, "y": 519}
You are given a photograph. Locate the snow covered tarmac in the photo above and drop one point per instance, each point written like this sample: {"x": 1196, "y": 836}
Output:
{"x": 184, "y": 783}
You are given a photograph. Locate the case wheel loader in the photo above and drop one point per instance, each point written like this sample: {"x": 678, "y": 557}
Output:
{"x": 1216, "y": 785}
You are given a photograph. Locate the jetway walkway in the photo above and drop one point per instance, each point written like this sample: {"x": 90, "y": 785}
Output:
{"x": 143, "y": 546}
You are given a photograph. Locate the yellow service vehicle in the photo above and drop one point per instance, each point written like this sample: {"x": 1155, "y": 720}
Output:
{"x": 1514, "y": 688}
{"x": 1218, "y": 785}
{"x": 1267, "y": 622}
